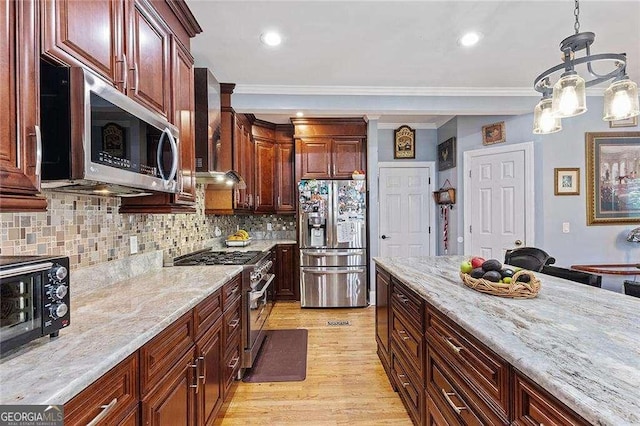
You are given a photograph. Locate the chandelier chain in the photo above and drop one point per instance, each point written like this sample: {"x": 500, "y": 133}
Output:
{"x": 576, "y": 13}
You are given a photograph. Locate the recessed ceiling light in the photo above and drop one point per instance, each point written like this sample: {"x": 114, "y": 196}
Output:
{"x": 271, "y": 38}
{"x": 299, "y": 114}
{"x": 469, "y": 39}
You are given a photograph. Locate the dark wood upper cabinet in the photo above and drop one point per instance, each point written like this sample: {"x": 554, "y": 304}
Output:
{"x": 243, "y": 163}
{"x": 86, "y": 33}
{"x": 20, "y": 118}
{"x": 329, "y": 148}
{"x": 285, "y": 173}
{"x": 149, "y": 58}
{"x": 265, "y": 166}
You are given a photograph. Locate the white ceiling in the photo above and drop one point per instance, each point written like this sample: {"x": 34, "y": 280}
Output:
{"x": 387, "y": 47}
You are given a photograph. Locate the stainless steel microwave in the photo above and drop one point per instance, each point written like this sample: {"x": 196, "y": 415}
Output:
{"x": 95, "y": 139}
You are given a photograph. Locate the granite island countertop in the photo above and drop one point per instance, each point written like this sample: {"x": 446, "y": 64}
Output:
{"x": 108, "y": 323}
{"x": 580, "y": 343}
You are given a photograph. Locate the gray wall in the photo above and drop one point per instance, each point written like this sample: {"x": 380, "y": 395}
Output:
{"x": 583, "y": 244}
{"x": 446, "y": 131}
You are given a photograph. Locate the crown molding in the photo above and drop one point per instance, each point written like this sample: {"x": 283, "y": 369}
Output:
{"x": 416, "y": 126}
{"x": 266, "y": 89}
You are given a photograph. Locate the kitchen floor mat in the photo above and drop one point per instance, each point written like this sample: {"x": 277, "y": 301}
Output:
{"x": 282, "y": 358}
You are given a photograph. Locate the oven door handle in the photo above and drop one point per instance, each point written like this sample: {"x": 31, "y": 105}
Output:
{"x": 331, "y": 270}
{"x": 26, "y": 270}
{"x": 255, "y": 295}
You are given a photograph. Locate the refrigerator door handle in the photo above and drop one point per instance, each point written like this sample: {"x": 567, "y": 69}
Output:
{"x": 337, "y": 253}
{"x": 332, "y": 270}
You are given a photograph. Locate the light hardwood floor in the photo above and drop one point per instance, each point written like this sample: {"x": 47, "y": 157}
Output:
{"x": 345, "y": 384}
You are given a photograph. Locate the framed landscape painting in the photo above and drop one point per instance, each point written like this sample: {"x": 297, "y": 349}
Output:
{"x": 613, "y": 178}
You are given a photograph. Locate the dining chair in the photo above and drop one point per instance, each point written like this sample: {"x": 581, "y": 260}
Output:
{"x": 530, "y": 258}
{"x": 569, "y": 274}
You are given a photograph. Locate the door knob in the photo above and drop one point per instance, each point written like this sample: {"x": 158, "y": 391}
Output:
{"x": 384, "y": 237}
{"x": 518, "y": 242}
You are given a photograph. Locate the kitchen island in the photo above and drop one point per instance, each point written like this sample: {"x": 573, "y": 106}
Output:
{"x": 581, "y": 344}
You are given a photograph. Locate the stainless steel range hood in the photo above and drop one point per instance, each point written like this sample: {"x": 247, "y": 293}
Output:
{"x": 213, "y": 149}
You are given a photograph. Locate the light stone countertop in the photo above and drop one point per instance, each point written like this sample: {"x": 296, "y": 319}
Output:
{"x": 108, "y": 323}
{"x": 255, "y": 245}
{"x": 580, "y": 343}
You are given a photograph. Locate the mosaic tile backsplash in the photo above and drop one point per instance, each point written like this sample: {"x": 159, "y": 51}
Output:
{"x": 90, "y": 230}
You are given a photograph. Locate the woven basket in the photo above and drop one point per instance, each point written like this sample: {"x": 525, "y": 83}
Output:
{"x": 515, "y": 290}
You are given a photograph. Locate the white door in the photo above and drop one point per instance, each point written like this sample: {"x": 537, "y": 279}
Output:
{"x": 405, "y": 215}
{"x": 498, "y": 198}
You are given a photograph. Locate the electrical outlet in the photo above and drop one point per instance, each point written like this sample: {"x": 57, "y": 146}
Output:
{"x": 269, "y": 227}
{"x": 565, "y": 227}
{"x": 133, "y": 244}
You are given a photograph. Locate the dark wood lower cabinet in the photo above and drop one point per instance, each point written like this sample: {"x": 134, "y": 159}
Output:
{"x": 210, "y": 394}
{"x": 445, "y": 376}
{"x": 286, "y": 270}
{"x": 172, "y": 401}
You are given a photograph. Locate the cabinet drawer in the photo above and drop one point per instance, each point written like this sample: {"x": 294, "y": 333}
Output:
{"x": 407, "y": 302}
{"x": 449, "y": 395}
{"x": 484, "y": 371}
{"x": 112, "y": 396}
{"x": 435, "y": 417}
{"x": 409, "y": 341}
{"x": 207, "y": 312}
{"x": 231, "y": 291}
{"x": 409, "y": 386}
{"x": 534, "y": 406}
{"x": 231, "y": 367}
{"x": 232, "y": 324}
{"x": 160, "y": 354}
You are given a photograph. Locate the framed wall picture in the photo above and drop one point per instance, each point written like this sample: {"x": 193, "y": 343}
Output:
{"x": 627, "y": 122}
{"x": 494, "y": 133}
{"x": 404, "y": 142}
{"x": 447, "y": 154}
{"x": 566, "y": 181}
{"x": 613, "y": 178}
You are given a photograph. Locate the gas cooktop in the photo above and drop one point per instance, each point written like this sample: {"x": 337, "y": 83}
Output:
{"x": 219, "y": 258}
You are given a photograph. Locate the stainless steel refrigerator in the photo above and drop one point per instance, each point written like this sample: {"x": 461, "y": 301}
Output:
{"x": 333, "y": 240}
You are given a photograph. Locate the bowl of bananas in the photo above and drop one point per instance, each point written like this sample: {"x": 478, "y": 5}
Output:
{"x": 240, "y": 238}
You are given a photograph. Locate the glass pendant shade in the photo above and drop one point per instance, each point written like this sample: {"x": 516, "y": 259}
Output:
{"x": 621, "y": 100}
{"x": 569, "y": 96}
{"x": 543, "y": 121}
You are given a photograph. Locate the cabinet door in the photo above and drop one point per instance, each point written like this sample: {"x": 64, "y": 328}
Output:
{"x": 88, "y": 33}
{"x": 382, "y": 316}
{"x": 247, "y": 164}
{"x": 286, "y": 286}
{"x": 183, "y": 118}
{"x": 265, "y": 175}
{"x": 172, "y": 401}
{"x": 346, "y": 157}
{"x": 19, "y": 78}
{"x": 314, "y": 156}
{"x": 209, "y": 348}
{"x": 285, "y": 180}
{"x": 148, "y": 58}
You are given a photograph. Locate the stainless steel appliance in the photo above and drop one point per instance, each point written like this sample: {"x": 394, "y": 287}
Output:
{"x": 96, "y": 140}
{"x": 333, "y": 240}
{"x": 34, "y": 295}
{"x": 257, "y": 291}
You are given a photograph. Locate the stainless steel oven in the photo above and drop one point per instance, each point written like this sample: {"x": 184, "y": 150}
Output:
{"x": 258, "y": 291}
{"x": 34, "y": 298}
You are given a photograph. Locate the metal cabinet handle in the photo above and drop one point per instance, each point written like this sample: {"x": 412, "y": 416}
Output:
{"x": 257, "y": 200}
{"x": 106, "y": 409}
{"x": 195, "y": 366}
{"x": 447, "y": 396}
{"x": 403, "y": 335}
{"x": 404, "y": 384}
{"x": 203, "y": 377}
{"x": 278, "y": 201}
{"x": 234, "y": 362}
{"x": 449, "y": 343}
{"x": 234, "y": 323}
{"x": 136, "y": 77}
{"x": 38, "y": 135}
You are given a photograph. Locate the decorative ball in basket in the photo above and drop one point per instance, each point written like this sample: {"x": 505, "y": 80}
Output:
{"x": 491, "y": 277}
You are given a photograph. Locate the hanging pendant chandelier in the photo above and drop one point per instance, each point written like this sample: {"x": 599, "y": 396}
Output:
{"x": 568, "y": 98}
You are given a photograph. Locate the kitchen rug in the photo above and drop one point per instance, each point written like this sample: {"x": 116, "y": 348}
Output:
{"x": 282, "y": 358}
